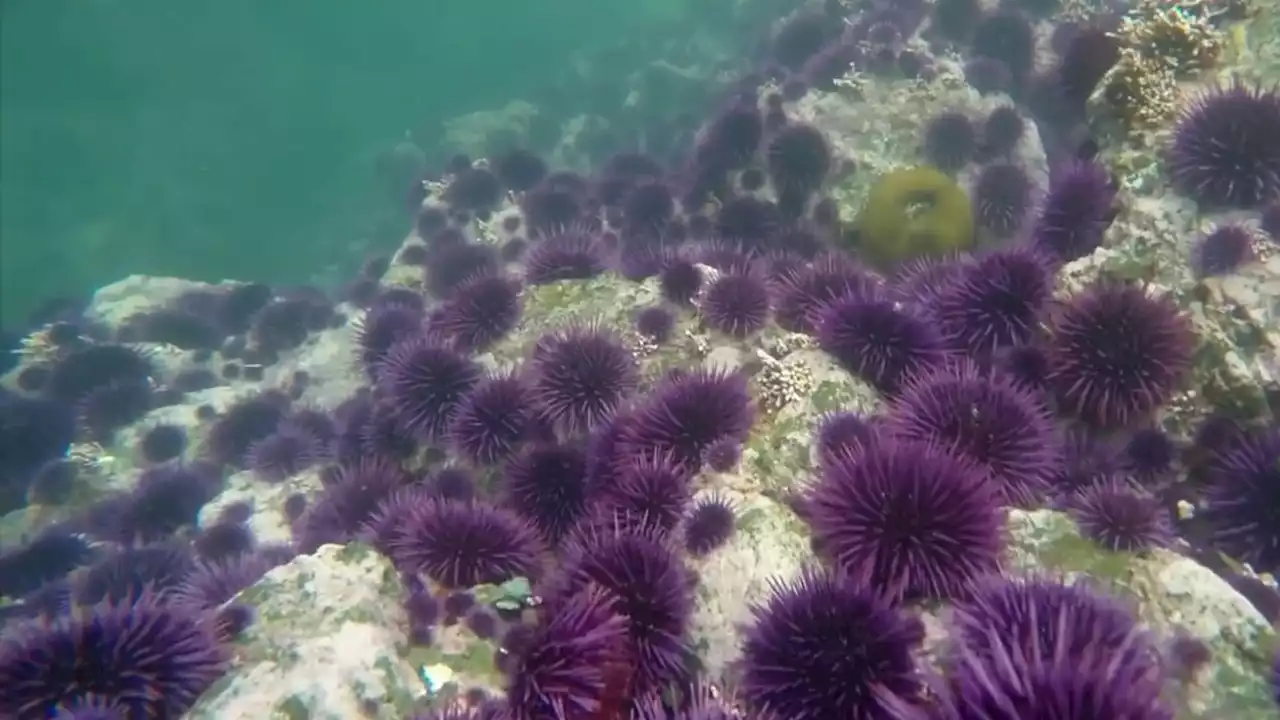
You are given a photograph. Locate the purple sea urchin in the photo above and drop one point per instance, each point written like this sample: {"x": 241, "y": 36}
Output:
{"x": 1224, "y": 151}
{"x": 1223, "y": 250}
{"x": 802, "y": 292}
{"x": 461, "y": 545}
{"x": 656, "y": 323}
{"x": 651, "y": 490}
{"x": 737, "y": 303}
{"x": 799, "y": 158}
{"x": 680, "y": 281}
{"x": 1120, "y": 517}
{"x": 565, "y": 663}
{"x": 1117, "y": 353}
{"x": 383, "y": 326}
{"x": 547, "y": 485}
{"x": 580, "y": 377}
{"x": 709, "y": 524}
{"x": 1001, "y": 429}
{"x": 480, "y": 312}
{"x": 950, "y": 141}
{"x": 244, "y": 423}
{"x": 1242, "y": 504}
{"x": 994, "y": 302}
{"x": 878, "y": 340}
{"x": 351, "y": 496}
{"x": 425, "y": 380}
{"x": 690, "y": 411}
{"x": 1002, "y": 196}
{"x": 492, "y": 420}
{"x": 151, "y": 659}
{"x": 907, "y": 518}
{"x": 1077, "y": 210}
{"x": 569, "y": 254}
{"x": 282, "y": 454}
{"x": 653, "y": 592}
{"x": 825, "y": 647}
{"x": 840, "y": 433}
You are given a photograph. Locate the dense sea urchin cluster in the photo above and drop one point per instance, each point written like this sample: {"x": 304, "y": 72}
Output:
{"x": 608, "y": 468}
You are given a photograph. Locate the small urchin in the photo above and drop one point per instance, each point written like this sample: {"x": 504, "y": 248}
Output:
{"x": 151, "y": 659}
{"x": 1242, "y": 503}
{"x": 492, "y": 420}
{"x": 351, "y": 496}
{"x": 709, "y": 524}
{"x": 565, "y": 663}
{"x": 997, "y": 301}
{"x": 424, "y": 380}
{"x": 992, "y": 422}
{"x": 1117, "y": 353}
{"x": 877, "y": 339}
{"x": 480, "y": 312}
{"x": 680, "y": 280}
{"x": 654, "y": 593}
{"x": 547, "y": 484}
{"x": 1223, "y": 250}
{"x": 283, "y": 454}
{"x": 1224, "y": 151}
{"x": 840, "y": 433}
{"x": 690, "y": 411}
{"x": 823, "y": 646}
{"x": 461, "y": 544}
{"x": 1120, "y": 517}
{"x": 907, "y": 518}
{"x": 581, "y": 375}
{"x": 737, "y": 303}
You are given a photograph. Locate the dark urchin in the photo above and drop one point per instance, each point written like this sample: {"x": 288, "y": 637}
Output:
{"x": 840, "y": 433}
{"x": 352, "y": 494}
{"x": 877, "y": 339}
{"x": 1117, "y": 353}
{"x": 991, "y": 422}
{"x": 480, "y": 312}
{"x": 737, "y": 303}
{"x": 461, "y": 545}
{"x": 650, "y": 490}
{"x": 492, "y": 420}
{"x": 1225, "y": 151}
{"x": 825, "y": 647}
{"x": 580, "y": 377}
{"x": 423, "y": 380}
{"x": 907, "y": 518}
{"x": 152, "y": 660}
{"x": 247, "y": 421}
{"x": 1120, "y": 517}
{"x": 997, "y": 301}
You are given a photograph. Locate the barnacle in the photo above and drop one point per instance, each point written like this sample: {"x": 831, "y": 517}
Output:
{"x": 1139, "y": 91}
{"x": 781, "y": 383}
{"x": 913, "y": 212}
{"x": 1161, "y": 43}
{"x": 1182, "y": 35}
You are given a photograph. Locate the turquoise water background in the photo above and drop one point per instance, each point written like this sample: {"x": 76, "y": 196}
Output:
{"x": 240, "y": 138}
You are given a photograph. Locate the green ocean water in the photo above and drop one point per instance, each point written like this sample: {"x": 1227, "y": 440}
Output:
{"x": 241, "y": 138}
